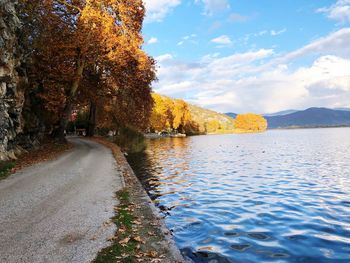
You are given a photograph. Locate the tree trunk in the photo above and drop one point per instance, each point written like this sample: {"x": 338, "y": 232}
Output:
{"x": 92, "y": 120}
{"x": 64, "y": 121}
{"x": 69, "y": 103}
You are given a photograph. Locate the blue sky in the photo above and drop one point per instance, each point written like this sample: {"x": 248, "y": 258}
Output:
{"x": 251, "y": 56}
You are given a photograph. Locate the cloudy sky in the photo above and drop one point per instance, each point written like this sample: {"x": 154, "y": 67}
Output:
{"x": 251, "y": 56}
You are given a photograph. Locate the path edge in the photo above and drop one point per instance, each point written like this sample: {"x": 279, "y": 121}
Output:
{"x": 131, "y": 182}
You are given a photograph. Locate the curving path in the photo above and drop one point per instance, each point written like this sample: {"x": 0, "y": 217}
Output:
{"x": 57, "y": 211}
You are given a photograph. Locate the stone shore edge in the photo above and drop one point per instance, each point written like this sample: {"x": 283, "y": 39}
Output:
{"x": 132, "y": 183}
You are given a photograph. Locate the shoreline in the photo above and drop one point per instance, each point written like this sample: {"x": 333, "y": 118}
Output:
{"x": 308, "y": 127}
{"x": 156, "y": 237}
{"x": 159, "y": 136}
{"x": 153, "y": 136}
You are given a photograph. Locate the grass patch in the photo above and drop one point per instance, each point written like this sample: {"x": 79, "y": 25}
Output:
{"x": 124, "y": 247}
{"x": 140, "y": 236}
{"x": 5, "y": 169}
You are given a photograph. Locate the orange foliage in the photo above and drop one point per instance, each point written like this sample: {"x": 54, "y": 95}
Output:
{"x": 251, "y": 122}
{"x": 169, "y": 114}
{"x": 90, "y": 51}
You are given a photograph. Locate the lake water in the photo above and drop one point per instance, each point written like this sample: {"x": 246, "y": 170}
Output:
{"x": 279, "y": 196}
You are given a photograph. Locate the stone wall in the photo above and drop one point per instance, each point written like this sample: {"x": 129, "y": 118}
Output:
{"x": 11, "y": 80}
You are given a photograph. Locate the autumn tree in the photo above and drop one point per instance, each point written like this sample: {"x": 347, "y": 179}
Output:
{"x": 128, "y": 101}
{"x": 182, "y": 115}
{"x": 161, "y": 116}
{"x": 170, "y": 114}
{"x": 89, "y": 52}
{"x": 251, "y": 122}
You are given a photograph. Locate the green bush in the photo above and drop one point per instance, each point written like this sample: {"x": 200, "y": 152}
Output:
{"x": 5, "y": 168}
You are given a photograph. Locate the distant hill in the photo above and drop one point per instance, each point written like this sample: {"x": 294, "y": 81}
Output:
{"x": 170, "y": 114}
{"x": 231, "y": 114}
{"x": 312, "y": 117}
{"x": 203, "y": 116}
{"x": 343, "y": 109}
{"x": 280, "y": 113}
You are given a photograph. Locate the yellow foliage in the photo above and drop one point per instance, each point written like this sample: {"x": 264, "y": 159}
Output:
{"x": 169, "y": 114}
{"x": 161, "y": 114}
{"x": 251, "y": 122}
{"x": 181, "y": 114}
{"x": 212, "y": 126}
{"x": 177, "y": 115}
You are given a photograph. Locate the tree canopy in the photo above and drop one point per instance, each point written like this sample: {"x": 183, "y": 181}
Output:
{"x": 250, "y": 122}
{"x": 169, "y": 114}
{"x": 89, "y": 53}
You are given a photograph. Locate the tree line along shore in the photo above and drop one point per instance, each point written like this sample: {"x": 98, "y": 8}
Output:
{"x": 69, "y": 65}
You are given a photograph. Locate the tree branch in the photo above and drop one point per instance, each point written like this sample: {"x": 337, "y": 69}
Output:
{"x": 69, "y": 5}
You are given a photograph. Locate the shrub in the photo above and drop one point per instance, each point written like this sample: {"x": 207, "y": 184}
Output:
{"x": 130, "y": 140}
{"x": 5, "y": 168}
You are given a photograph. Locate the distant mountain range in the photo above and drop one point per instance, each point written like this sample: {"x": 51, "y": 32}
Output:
{"x": 280, "y": 113}
{"x": 343, "y": 109}
{"x": 312, "y": 117}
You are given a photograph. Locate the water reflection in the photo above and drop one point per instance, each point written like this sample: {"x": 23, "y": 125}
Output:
{"x": 281, "y": 196}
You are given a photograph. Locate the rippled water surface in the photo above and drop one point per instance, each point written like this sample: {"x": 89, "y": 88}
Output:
{"x": 280, "y": 196}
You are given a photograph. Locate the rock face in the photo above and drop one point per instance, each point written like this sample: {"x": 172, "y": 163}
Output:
{"x": 12, "y": 80}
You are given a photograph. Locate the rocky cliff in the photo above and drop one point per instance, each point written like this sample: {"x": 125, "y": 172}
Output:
{"x": 12, "y": 80}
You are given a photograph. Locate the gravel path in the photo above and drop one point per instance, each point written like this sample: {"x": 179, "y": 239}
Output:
{"x": 57, "y": 211}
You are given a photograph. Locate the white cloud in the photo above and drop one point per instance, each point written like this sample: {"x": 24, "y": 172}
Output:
{"x": 237, "y": 18}
{"x": 165, "y": 57}
{"x": 152, "y": 40}
{"x": 261, "y": 33}
{"x": 242, "y": 58}
{"x": 260, "y": 81}
{"x": 340, "y": 11}
{"x": 334, "y": 43}
{"x": 157, "y": 10}
{"x": 214, "y": 6}
{"x": 180, "y": 43}
{"x": 223, "y": 40}
{"x": 189, "y": 38}
{"x": 327, "y": 73}
{"x": 276, "y": 33}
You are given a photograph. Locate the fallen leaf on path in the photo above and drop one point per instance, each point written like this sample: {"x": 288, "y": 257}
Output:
{"x": 137, "y": 222}
{"x": 152, "y": 254}
{"x": 124, "y": 241}
{"x": 137, "y": 238}
{"x": 111, "y": 238}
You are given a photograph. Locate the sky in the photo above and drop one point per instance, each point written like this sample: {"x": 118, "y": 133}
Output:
{"x": 257, "y": 56}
